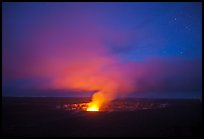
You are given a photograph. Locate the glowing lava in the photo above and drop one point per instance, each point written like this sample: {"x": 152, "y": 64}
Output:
{"x": 93, "y": 108}
{"x": 98, "y": 100}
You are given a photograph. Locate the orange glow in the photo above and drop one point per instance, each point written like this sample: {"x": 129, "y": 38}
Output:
{"x": 93, "y": 108}
{"x": 97, "y": 100}
{"x": 103, "y": 73}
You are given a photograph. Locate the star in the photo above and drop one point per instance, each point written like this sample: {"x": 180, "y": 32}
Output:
{"x": 172, "y": 20}
{"x": 188, "y": 27}
{"x": 181, "y": 52}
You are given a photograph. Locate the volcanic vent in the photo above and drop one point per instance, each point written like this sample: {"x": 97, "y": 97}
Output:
{"x": 118, "y": 105}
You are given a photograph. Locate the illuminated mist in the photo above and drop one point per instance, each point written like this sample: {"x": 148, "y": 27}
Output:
{"x": 111, "y": 49}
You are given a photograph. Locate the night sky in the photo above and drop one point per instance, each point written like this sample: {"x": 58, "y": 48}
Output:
{"x": 70, "y": 49}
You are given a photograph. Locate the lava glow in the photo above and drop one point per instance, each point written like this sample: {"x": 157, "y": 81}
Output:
{"x": 93, "y": 108}
{"x": 66, "y": 49}
{"x": 97, "y": 100}
{"x": 90, "y": 66}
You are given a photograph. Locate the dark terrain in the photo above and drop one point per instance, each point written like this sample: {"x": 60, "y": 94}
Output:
{"x": 47, "y": 117}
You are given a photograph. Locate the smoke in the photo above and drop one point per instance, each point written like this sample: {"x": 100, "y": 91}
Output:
{"x": 93, "y": 70}
{"x": 71, "y": 51}
{"x": 76, "y": 57}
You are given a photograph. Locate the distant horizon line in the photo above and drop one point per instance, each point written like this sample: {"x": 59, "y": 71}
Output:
{"x": 200, "y": 98}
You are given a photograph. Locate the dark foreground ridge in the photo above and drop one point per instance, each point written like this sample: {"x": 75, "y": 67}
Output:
{"x": 48, "y": 117}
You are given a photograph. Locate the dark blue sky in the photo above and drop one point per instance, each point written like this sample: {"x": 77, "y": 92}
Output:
{"x": 159, "y": 43}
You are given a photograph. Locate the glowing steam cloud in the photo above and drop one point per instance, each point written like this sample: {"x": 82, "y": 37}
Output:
{"x": 98, "y": 72}
{"x": 75, "y": 57}
{"x": 75, "y": 48}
